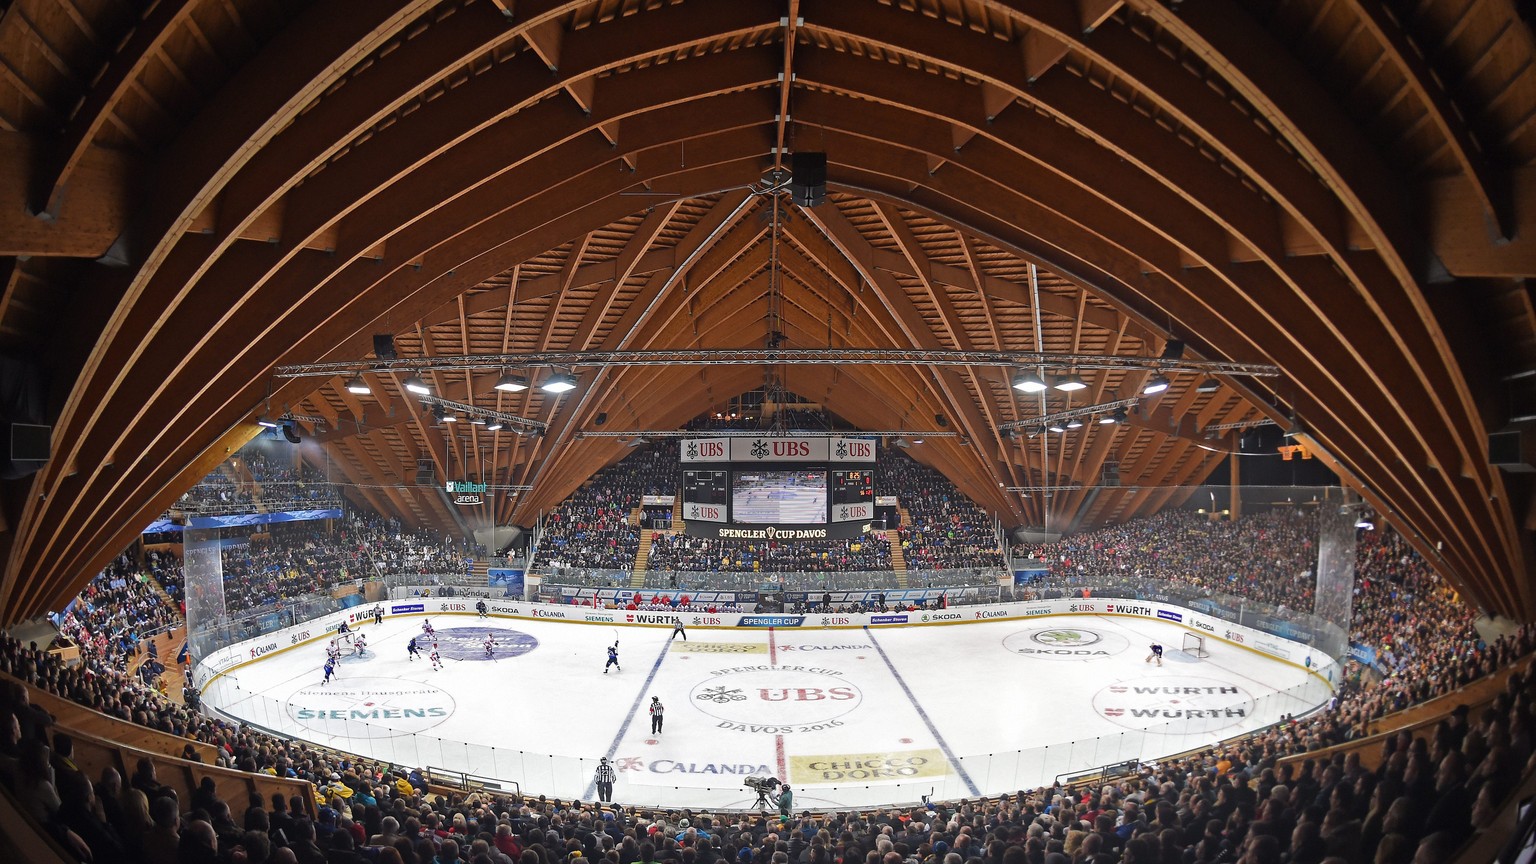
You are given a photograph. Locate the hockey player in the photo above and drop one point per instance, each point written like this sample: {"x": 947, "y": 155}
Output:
{"x": 490, "y": 646}
{"x": 613, "y": 657}
{"x": 657, "y": 710}
{"x": 344, "y": 628}
{"x": 333, "y": 651}
{"x": 360, "y": 645}
{"x": 677, "y": 630}
{"x": 1157, "y": 654}
{"x": 426, "y": 628}
{"x": 330, "y": 670}
{"x": 481, "y": 610}
{"x": 437, "y": 662}
{"x": 411, "y": 649}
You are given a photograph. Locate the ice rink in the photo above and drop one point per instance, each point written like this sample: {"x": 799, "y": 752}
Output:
{"x": 850, "y": 717}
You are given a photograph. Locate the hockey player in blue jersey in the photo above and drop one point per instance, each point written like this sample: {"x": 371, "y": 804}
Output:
{"x": 411, "y": 649}
{"x": 330, "y": 670}
{"x": 1157, "y": 654}
{"x": 613, "y": 657}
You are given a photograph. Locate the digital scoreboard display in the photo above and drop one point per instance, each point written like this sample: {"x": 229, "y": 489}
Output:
{"x": 793, "y": 497}
{"x": 853, "y": 487}
{"x": 705, "y": 487}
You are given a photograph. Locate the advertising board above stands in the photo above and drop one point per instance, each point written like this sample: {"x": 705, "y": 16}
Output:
{"x": 836, "y": 449}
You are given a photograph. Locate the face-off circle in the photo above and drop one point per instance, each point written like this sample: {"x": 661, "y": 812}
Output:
{"x": 1177, "y": 703}
{"x": 359, "y": 707}
{"x": 1065, "y": 643}
{"x": 783, "y": 696}
{"x": 468, "y": 643}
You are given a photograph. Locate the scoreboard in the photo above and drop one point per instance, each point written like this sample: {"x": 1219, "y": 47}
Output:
{"x": 853, "y": 494}
{"x": 705, "y": 493}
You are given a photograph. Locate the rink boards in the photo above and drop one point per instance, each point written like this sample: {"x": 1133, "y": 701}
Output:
{"x": 854, "y": 709}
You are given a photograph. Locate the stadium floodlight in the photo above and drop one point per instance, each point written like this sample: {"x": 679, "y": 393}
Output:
{"x": 267, "y": 422}
{"x": 1366, "y": 524}
{"x": 1209, "y": 385}
{"x": 560, "y": 382}
{"x": 1071, "y": 383}
{"x": 1111, "y": 418}
{"x": 1075, "y": 423}
{"x": 414, "y": 384}
{"x": 357, "y": 385}
{"x": 512, "y": 383}
{"x": 1057, "y": 426}
{"x": 494, "y": 426}
{"x": 1157, "y": 384}
{"x": 478, "y": 421}
{"x": 1029, "y": 382}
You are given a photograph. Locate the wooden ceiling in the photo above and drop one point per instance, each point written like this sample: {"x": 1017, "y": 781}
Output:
{"x": 194, "y": 192}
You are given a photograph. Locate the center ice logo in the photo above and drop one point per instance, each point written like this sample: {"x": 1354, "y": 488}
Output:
{"x": 775, "y": 699}
{"x": 1065, "y": 643}
{"x": 1178, "y": 704}
{"x": 468, "y": 643}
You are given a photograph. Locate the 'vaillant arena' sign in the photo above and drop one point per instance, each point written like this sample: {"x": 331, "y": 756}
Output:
{"x": 466, "y": 493}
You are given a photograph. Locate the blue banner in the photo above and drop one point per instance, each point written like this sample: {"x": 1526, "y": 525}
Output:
{"x": 887, "y": 619}
{"x": 511, "y": 581}
{"x": 160, "y": 526}
{"x": 1363, "y": 654}
{"x": 238, "y": 519}
{"x": 401, "y": 608}
{"x": 1024, "y": 577}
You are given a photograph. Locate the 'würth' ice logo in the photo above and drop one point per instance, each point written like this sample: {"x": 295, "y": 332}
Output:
{"x": 1179, "y": 703}
{"x": 759, "y": 449}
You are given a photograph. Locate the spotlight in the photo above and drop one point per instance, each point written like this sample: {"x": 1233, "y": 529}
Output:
{"x": 1209, "y": 385}
{"x": 1158, "y": 384}
{"x": 267, "y": 422}
{"x": 1071, "y": 383}
{"x": 560, "y": 382}
{"x": 415, "y": 385}
{"x": 1028, "y": 383}
{"x": 358, "y": 385}
{"x": 512, "y": 384}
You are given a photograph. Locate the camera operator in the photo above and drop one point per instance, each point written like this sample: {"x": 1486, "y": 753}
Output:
{"x": 785, "y": 801}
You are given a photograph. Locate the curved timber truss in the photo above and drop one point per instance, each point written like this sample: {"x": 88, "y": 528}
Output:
{"x": 194, "y": 194}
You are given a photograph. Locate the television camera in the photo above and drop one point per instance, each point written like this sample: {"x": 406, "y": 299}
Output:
{"x": 764, "y": 787}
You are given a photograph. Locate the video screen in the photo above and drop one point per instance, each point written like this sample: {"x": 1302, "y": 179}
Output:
{"x": 797, "y": 497}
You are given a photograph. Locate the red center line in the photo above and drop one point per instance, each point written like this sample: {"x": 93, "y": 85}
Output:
{"x": 773, "y": 649}
{"x": 778, "y": 740}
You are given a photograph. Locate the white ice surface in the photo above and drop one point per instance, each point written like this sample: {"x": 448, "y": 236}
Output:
{"x": 853, "y": 717}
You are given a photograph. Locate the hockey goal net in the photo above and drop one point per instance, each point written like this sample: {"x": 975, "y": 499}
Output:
{"x": 1194, "y": 645}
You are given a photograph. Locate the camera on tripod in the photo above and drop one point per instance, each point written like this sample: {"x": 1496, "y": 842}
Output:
{"x": 762, "y": 785}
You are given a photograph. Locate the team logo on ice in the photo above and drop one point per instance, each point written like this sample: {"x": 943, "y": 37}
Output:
{"x": 1065, "y": 643}
{"x": 468, "y": 643}
{"x": 776, "y": 699}
{"x": 1181, "y": 704}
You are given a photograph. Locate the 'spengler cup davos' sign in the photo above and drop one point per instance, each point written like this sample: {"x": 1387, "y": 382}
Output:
{"x": 464, "y": 492}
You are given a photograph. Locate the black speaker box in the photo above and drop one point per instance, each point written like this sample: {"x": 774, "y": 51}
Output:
{"x": 384, "y": 346}
{"x": 808, "y": 179}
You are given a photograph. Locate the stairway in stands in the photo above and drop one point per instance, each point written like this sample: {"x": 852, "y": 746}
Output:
{"x": 643, "y": 554}
{"x": 480, "y": 572}
{"x": 898, "y": 558}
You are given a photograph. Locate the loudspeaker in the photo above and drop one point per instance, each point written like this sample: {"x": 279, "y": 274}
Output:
{"x": 426, "y": 473}
{"x": 1174, "y": 350}
{"x": 1513, "y": 450}
{"x": 31, "y": 442}
{"x": 290, "y": 433}
{"x": 941, "y": 419}
{"x": 384, "y": 346}
{"x": 1110, "y": 475}
{"x": 808, "y": 181}
{"x": 601, "y": 418}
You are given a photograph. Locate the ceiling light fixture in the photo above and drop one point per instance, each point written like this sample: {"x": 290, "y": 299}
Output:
{"x": 1028, "y": 382}
{"x": 1075, "y": 423}
{"x": 1209, "y": 385}
{"x": 1057, "y": 426}
{"x": 267, "y": 422}
{"x": 357, "y": 385}
{"x": 414, "y": 384}
{"x": 512, "y": 383}
{"x": 1071, "y": 383}
{"x": 494, "y": 426}
{"x": 560, "y": 382}
{"x": 1158, "y": 384}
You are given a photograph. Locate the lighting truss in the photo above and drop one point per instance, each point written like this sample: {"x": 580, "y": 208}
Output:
{"x": 1044, "y": 419}
{"x": 476, "y": 411}
{"x": 1241, "y": 424}
{"x": 764, "y": 433}
{"x": 774, "y": 356}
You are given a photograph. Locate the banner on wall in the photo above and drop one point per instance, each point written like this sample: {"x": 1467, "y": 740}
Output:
{"x": 509, "y": 580}
{"x": 239, "y": 519}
